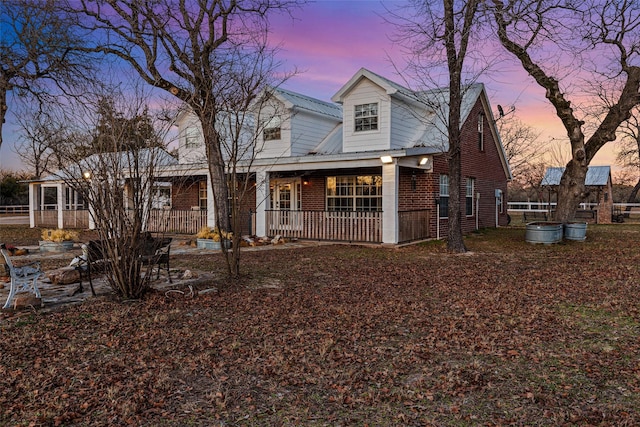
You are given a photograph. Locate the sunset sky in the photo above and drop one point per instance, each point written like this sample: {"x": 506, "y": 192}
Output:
{"x": 328, "y": 41}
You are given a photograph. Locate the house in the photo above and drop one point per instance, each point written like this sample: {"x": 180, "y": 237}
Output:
{"x": 370, "y": 166}
{"x": 600, "y": 188}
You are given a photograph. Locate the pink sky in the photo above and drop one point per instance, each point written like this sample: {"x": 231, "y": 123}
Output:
{"x": 328, "y": 41}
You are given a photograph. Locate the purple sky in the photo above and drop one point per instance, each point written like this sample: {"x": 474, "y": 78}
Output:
{"x": 328, "y": 41}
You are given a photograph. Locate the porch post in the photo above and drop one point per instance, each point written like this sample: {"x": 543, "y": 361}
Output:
{"x": 211, "y": 213}
{"x": 33, "y": 204}
{"x": 262, "y": 199}
{"x": 60, "y": 200}
{"x": 390, "y": 178}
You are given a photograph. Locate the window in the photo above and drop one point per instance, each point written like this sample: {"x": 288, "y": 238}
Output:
{"x": 161, "y": 196}
{"x": 272, "y": 129}
{"x": 202, "y": 195}
{"x": 481, "y": 132}
{"x": 354, "y": 193}
{"x": 192, "y": 137}
{"x": 469, "y": 205}
{"x": 271, "y": 134}
{"x": 444, "y": 196}
{"x": 366, "y": 117}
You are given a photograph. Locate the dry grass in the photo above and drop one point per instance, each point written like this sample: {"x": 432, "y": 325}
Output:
{"x": 509, "y": 334}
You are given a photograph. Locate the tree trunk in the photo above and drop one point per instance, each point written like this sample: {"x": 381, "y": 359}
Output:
{"x": 216, "y": 163}
{"x": 571, "y": 191}
{"x": 4, "y": 88}
{"x": 632, "y": 196}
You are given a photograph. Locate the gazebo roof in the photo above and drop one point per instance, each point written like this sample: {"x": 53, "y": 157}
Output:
{"x": 596, "y": 176}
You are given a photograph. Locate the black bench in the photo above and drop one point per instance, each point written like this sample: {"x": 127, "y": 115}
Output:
{"x": 535, "y": 216}
{"x": 585, "y": 214}
{"x": 155, "y": 253}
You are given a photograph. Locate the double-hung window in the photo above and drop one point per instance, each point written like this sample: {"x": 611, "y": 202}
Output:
{"x": 444, "y": 196}
{"x": 191, "y": 137}
{"x": 272, "y": 129}
{"x": 202, "y": 194}
{"x": 366, "y": 117}
{"x": 469, "y": 205}
{"x": 354, "y": 193}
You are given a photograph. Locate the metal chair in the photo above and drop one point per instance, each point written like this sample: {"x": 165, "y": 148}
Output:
{"x": 23, "y": 278}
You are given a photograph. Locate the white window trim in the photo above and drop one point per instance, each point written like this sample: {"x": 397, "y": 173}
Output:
{"x": 365, "y": 117}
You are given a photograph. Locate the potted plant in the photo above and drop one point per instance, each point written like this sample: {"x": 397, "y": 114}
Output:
{"x": 213, "y": 238}
{"x": 57, "y": 240}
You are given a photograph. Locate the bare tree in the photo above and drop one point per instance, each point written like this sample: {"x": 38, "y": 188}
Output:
{"x": 39, "y": 56}
{"x": 437, "y": 36}
{"x": 191, "y": 50}
{"x": 521, "y": 144}
{"x": 34, "y": 148}
{"x": 116, "y": 177}
{"x": 594, "y": 41}
{"x": 629, "y": 152}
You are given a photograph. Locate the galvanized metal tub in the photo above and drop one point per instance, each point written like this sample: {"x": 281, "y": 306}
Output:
{"x": 575, "y": 231}
{"x": 544, "y": 232}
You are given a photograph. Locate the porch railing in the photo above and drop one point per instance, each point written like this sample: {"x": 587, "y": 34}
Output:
{"x": 75, "y": 219}
{"x": 413, "y": 225}
{"x": 177, "y": 221}
{"x": 326, "y": 225}
{"x": 70, "y": 218}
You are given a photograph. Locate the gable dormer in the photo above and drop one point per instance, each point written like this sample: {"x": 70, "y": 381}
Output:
{"x": 292, "y": 124}
{"x": 378, "y": 114}
{"x": 191, "y": 147}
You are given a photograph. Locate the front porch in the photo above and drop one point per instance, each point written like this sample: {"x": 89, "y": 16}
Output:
{"x": 351, "y": 226}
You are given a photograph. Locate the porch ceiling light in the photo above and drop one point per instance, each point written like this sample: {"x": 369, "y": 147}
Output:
{"x": 423, "y": 161}
{"x": 386, "y": 159}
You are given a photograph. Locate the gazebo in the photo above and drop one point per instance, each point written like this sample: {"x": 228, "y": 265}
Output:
{"x": 598, "y": 181}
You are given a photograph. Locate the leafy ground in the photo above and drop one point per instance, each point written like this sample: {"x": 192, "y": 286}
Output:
{"x": 510, "y": 334}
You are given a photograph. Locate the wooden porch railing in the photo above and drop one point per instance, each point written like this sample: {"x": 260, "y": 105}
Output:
{"x": 75, "y": 219}
{"x": 326, "y": 225}
{"x": 46, "y": 218}
{"x": 70, "y": 218}
{"x": 413, "y": 225}
{"x": 176, "y": 221}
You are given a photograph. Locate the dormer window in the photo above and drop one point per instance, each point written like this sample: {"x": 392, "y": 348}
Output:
{"x": 366, "y": 117}
{"x": 271, "y": 133}
{"x": 272, "y": 130}
{"x": 192, "y": 138}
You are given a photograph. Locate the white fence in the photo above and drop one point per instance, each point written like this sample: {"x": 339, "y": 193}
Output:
{"x": 14, "y": 209}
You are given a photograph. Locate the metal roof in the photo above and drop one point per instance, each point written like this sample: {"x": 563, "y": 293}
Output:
{"x": 596, "y": 176}
{"x": 311, "y": 104}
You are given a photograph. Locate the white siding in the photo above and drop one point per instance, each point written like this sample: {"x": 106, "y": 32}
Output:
{"x": 192, "y": 154}
{"x": 407, "y": 124}
{"x": 366, "y": 92}
{"x": 307, "y": 130}
{"x": 277, "y": 147}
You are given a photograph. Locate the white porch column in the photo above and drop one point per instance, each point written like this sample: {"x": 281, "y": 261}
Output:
{"x": 60, "y": 200}
{"x": 390, "y": 178}
{"x": 262, "y": 200}
{"x": 33, "y": 204}
{"x": 211, "y": 205}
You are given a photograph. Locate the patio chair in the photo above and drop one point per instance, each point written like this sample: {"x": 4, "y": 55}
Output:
{"x": 23, "y": 278}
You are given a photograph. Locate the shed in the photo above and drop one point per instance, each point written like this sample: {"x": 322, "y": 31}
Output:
{"x": 598, "y": 180}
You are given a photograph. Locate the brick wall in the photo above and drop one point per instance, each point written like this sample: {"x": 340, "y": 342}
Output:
{"x": 485, "y": 166}
{"x": 184, "y": 192}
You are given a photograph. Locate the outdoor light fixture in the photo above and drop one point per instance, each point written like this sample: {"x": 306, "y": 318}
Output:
{"x": 86, "y": 175}
{"x": 423, "y": 161}
{"x": 386, "y": 159}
